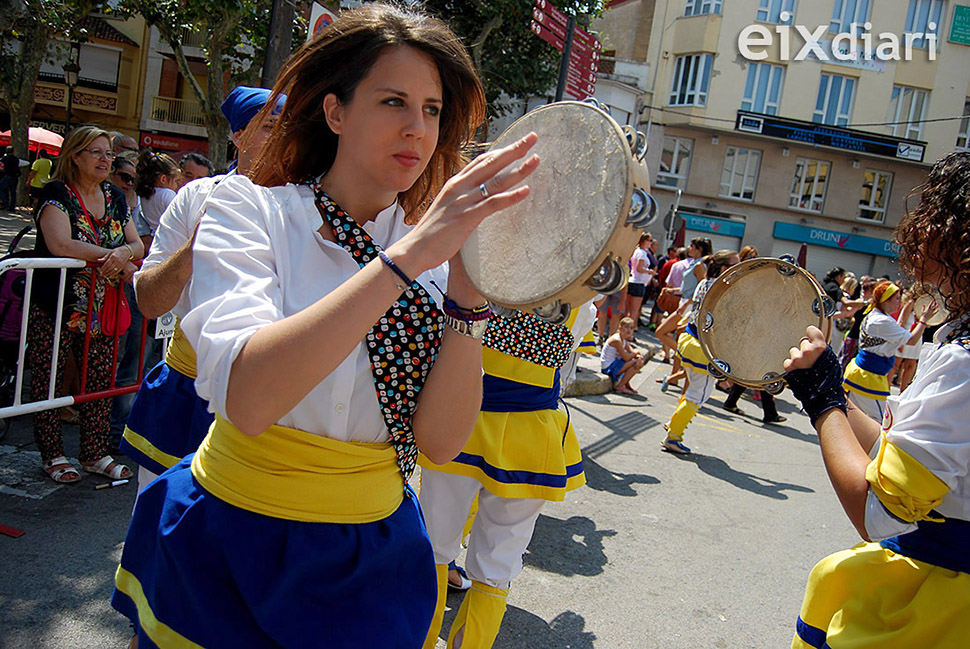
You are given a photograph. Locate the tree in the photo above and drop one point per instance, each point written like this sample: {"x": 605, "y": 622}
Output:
{"x": 24, "y": 48}
{"x": 234, "y": 37}
{"x": 511, "y": 60}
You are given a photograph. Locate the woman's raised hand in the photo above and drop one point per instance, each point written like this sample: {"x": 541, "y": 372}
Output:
{"x": 484, "y": 187}
{"x": 809, "y": 349}
{"x": 928, "y": 311}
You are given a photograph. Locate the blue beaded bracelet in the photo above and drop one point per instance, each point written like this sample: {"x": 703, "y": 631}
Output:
{"x": 397, "y": 271}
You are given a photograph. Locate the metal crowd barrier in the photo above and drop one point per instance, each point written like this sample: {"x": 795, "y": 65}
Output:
{"x": 63, "y": 264}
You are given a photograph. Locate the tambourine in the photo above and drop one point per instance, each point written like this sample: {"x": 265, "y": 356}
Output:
{"x": 754, "y": 313}
{"x": 572, "y": 236}
{"x": 925, "y": 298}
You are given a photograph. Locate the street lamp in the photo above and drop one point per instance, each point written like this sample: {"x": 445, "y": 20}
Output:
{"x": 71, "y": 70}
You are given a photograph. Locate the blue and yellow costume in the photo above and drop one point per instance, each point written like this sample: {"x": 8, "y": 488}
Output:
{"x": 522, "y": 453}
{"x": 168, "y": 420}
{"x": 911, "y": 588}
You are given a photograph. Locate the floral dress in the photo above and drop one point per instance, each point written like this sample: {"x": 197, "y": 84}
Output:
{"x": 106, "y": 231}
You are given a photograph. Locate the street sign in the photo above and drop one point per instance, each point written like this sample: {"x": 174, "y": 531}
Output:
{"x": 585, "y": 51}
{"x": 581, "y": 75}
{"x": 578, "y": 62}
{"x": 548, "y": 9}
{"x": 547, "y": 35}
{"x": 576, "y": 92}
{"x": 549, "y": 23}
{"x": 580, "y": 85}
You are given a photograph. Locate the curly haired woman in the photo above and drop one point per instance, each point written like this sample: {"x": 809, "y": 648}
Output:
{"x": 904, "y": 485}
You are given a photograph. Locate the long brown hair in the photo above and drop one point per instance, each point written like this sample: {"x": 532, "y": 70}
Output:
{"x": 938, "y": 230}
{"x": 302, "y": 146}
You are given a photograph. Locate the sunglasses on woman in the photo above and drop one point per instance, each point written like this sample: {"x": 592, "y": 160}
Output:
{"x": 128, "y": 178}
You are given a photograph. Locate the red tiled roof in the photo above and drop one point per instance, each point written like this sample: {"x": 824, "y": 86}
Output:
{"x": 100, "y": 28}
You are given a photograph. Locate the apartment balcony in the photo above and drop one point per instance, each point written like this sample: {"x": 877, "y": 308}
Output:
{"x": 177, "y": 111}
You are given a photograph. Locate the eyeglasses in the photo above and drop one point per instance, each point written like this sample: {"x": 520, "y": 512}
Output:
{"x": 128, "y": 178}
{"x": 101, "y": 153}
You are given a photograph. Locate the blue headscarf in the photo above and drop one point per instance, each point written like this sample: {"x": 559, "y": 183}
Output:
{"x": 243, "y": 103}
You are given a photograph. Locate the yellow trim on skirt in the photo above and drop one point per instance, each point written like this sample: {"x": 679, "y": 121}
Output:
{"x": 904, "y": 486}
{"x": 871, "y": 597}
{"x": 292, "y": 474}
{"x": 150, "y": 450}
{"x": 160, "y": 633}
{"x": 865, "y": 383}
{"x": 180, "y": 356}
{"x": 520, "y": 455}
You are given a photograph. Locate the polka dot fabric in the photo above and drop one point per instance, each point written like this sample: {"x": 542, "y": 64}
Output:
{"x": 402, "y": 345}
{"x": 530, "y": 338}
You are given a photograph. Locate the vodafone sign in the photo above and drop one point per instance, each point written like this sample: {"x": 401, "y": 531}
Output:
{"x": 173, "y": 143}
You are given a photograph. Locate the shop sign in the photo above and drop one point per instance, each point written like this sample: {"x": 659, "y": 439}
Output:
{"x": 713, "y": 225}
{"x": 834, "y": 239}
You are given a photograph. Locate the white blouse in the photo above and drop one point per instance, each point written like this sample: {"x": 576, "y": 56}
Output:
{"x": 258, "y": 258}
{"x": 175, "y": 229}
{"x": 929, "y": 422}
{"x": 880, "y": 325}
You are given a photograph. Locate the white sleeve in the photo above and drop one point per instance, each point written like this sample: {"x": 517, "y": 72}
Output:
{"x": 929, "y": 424}
{"x": 235, "y": 290}
{"x": 888, "y": 329}
{"x": 172, "y": 232}
{"x": 583, "y": 324}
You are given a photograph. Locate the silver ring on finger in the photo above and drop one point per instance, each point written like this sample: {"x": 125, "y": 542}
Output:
{"x": 483, "y": 190}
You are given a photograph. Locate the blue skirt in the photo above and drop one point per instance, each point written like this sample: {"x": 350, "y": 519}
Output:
{"x": 196, "y": 569}
{"x": 168, "y": 420}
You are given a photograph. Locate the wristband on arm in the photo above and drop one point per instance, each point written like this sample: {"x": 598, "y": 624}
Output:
{"x": 819, "y": 388}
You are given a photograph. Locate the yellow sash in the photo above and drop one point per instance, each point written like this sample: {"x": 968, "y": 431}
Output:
{"x": 292, "y": 474}
{"x": 180, "y": 355}
{"x": 907, "y": 488}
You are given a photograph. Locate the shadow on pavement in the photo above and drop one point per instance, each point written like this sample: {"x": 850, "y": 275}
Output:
{"x": 718, "y": 468}
{"x": 623, "y": 429}
{"x": 523, "y": 630}
{"x": 556, "y": 548}
{"x": 600, "y": 478}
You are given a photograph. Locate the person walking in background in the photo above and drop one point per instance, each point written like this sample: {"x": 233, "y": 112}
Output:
{"x": 192, "y": 166}
{"x": 37, "y": 177}
{"x": 10, "y": 166}
{"x": 851, "y": 340}
{"x": 84, "y": 217}
{"x": 700, "y": 384}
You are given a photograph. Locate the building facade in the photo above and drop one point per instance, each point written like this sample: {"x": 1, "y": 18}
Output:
{"x": 756, "y": 143}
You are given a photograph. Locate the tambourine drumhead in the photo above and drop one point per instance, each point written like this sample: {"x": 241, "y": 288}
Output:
{"x": 527, "y": 255}
{"x": 938, "y": 318}
{"x": 754, "y": 313}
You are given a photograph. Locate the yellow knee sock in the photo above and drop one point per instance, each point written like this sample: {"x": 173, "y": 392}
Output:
{"x": 682, "y": 415}
{"x": 441, "y": 570}
{"x": 479, "y": 617}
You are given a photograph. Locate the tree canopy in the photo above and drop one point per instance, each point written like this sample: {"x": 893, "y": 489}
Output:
{"x": 511, "y": 60}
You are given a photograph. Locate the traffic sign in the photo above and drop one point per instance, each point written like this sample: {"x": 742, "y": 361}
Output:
{"x": 585, "y": 50}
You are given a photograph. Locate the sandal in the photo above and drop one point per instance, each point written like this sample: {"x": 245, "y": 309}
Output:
{"x": 465, "y": 582}
{"x": 734, "y": 409}
{"x": 107, "y": 467}
{"x": 61, "y": 471}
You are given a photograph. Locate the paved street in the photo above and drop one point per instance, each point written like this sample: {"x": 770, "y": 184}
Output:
{"x": 710, "y": 550}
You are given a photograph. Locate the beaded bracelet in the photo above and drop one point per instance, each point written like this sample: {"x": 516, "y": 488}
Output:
{"x": 451, "y": 308}
{"x": 397, "y": 271}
